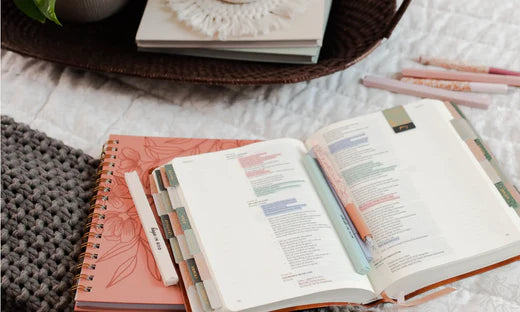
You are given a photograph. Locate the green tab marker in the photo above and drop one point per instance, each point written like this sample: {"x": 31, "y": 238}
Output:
{"x": 194, "y": 272}
{"x": 183, "y": 219}
{"x": 160, "y": 184}
{"x": 483, "y": 149}
{"x": 167, "y": 226}
{"x": 398, "y": 119}
{"x": 510, "y": 200}
{"x": 170, "y": 174}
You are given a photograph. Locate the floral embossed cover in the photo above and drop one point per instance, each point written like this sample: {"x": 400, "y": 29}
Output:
{"x": 125, "y": 275}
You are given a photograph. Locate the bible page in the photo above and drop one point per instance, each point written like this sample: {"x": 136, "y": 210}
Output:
{"x": 423, "y": 195}
{"x": 261, "y": 226}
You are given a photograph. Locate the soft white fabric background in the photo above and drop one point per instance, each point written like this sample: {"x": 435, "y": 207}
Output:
{"x": 82, "y": 108}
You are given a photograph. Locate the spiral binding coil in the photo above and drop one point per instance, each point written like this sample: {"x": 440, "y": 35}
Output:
{"x": 94, "y": 227}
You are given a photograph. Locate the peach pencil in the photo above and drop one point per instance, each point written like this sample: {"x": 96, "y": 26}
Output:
{"x": 461, "y": 66}
{"x": 461, "y": 76}
{"x": 459, "y": 85}
{"x": 341, "y": 190}
{"x": 463, "y": 98}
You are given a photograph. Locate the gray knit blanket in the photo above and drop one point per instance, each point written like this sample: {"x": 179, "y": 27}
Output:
{"x": 46, "y": 188}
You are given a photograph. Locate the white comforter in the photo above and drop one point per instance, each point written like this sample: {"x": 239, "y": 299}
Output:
{"x": 82, "y": 108}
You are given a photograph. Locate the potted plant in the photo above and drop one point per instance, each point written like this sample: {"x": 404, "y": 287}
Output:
{"x": 39, "y": 10}
{"x": 72, "y": 10}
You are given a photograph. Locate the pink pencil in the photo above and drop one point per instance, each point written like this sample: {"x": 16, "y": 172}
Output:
{"x": 451, "y": 64}
{"x": 469, "y": 99}
{"x": 461, "y": 76}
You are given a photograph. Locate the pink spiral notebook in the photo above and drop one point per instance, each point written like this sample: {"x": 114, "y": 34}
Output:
{"x": 118, "y": 270}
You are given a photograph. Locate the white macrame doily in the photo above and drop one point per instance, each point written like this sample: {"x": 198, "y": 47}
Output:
{"x": 236, "y": 18}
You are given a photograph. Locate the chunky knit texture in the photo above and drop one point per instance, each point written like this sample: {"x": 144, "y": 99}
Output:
{"x": 46, "y": 187}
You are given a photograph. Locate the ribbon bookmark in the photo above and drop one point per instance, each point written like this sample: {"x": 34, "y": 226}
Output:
{"x": 402, "y": 303}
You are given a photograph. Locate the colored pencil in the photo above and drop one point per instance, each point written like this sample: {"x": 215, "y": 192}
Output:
{"x": 464, "y": 86}
{"x": 463, "y": 98}
{"x": 461, "y": 66}
{"x": 461, "y": 76}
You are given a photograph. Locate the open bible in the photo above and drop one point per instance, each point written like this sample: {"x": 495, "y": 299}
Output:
{"x": 252, "y": 230}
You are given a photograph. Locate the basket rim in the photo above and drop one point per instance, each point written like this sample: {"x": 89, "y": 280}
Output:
{"x": 202, "y": 80}
{"x": 339, "y": 64}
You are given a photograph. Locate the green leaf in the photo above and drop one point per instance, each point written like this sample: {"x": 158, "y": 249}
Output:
{"x": 46, "y": 7}
{"x": 30, "y": 9}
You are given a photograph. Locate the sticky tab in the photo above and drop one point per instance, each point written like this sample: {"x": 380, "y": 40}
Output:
{"x": 456, "y": 107}
{"x": 183, "y": 245}
{"x": 193, "y": 298}
{"x": 202, "y": 266}
{"x": 194, "y": 272}
{"x": 464, "y": 129}
{"x": 166, "y": 202}
{"x": 164, "y": 178}
{"x": 176, "y": 250}
{"x": 204, "y": 300}
{"x": 476, "y": 150}
{"x": 160, "y": 184}
{"x": 212, "y": 293}
{"x": 191, "y": 241}
{"x": 174, "y": 198}
{"x": 398, "y": 119}
{"x": 153, "y": 185}
{"x": 185, "y": 273}
{"x": 176, "y": 225}
{"x": 170, "y": 174}
{"x": 495, "y": 165}
{"x": 484, "y": 150}
{"x": 183, "y": 218}
{"x": 159, "y": 206}
{"x": 513, "y": 190}
{"x": 510, "y": 200}
{"x": 490, "y": 171}
{"x": 167, "y": 226}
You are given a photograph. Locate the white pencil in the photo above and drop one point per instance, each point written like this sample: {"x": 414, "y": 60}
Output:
{"x": 153, "y": 233}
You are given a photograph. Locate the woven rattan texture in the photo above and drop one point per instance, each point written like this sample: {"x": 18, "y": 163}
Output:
{"x": 354, "y": 29}
{"x": 46, "y": 187}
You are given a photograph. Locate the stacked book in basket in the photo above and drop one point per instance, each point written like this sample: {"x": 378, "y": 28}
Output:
{"x": 267, "y": 31}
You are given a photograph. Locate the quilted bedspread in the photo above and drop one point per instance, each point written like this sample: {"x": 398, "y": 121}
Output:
{"x": 82, "y": 108}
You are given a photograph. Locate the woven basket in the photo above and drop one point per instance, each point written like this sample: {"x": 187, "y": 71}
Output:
{"x": 355, "y": 28}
